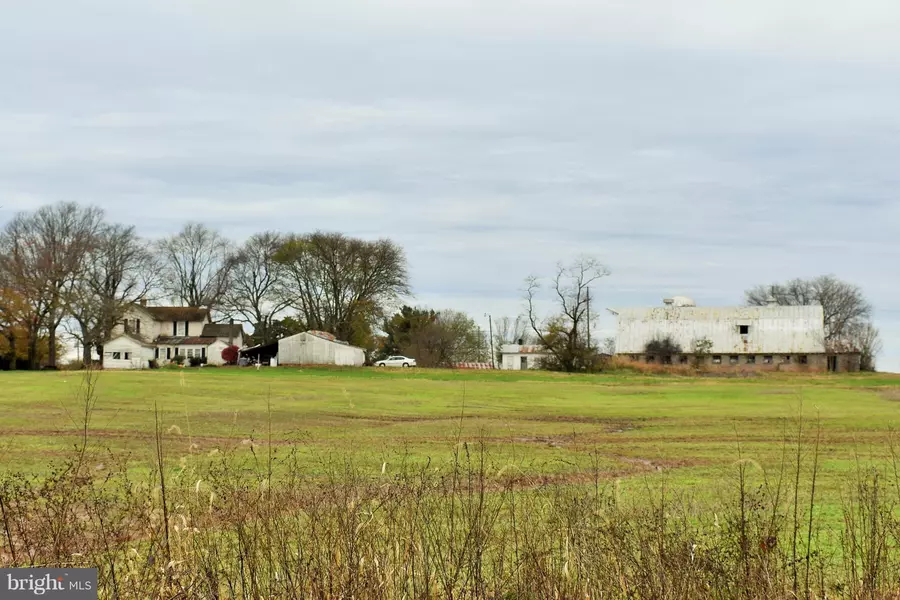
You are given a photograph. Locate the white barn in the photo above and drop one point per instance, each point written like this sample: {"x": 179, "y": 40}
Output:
{"x": 756, "y": 337}
{"x": 738, "y": 330}
{"x": 318, "y": 348}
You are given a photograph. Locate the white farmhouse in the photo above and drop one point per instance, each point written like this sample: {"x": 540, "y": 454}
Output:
{"x": 318, "y": 348}
{"x": 163, "y": 332}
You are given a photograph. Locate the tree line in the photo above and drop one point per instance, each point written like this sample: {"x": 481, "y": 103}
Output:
{"x": 66, "y": 268}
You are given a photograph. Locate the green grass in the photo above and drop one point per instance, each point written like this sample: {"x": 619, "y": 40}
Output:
{"x": 686, "y": 429}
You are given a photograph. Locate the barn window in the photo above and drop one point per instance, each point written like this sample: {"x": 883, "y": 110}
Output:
{"x": 684, "y": 359}
{"x": 733, "y": 359}
{"x": 804, "y": 359}
{"x": 767, "y": 359}
{"x": 651, "y": 358}
{"x": 751, "y": 359}
{"x": 787, "y": 358}
{"x": 744, "y": 329}
{"x": 117, "y": 356}
{"x": 667, "y": 360}
{"x": 717, "y": 359}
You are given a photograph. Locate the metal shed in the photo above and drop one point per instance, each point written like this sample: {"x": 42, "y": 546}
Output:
{"x": 318, "y": 348}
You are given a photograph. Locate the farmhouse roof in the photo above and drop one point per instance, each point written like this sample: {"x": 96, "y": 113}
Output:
{"x": 182, "y": 340}
{"x": 178, "y": 313}
{"x": 222, "y": 330}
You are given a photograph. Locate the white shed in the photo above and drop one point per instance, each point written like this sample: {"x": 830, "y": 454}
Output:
{"x": 318, "y": 348}
{"x": 517, "y": 357}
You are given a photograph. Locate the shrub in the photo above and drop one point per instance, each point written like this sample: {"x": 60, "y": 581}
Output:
{"x": 154, "y": 364}
{"x": 196, "y": 361}
{"x": 230, "y": 355}
{"x": 662, "y": 346}
{"x": 179, "y": 359}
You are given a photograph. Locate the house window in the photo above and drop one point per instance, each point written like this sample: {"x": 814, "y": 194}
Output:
{"x": 744, "y": 329}
{"x": 190, "y": 353}
{"x": 733, "y": 359}
{"x": 787, "y": 358}
{"x": 651, "y": 358}
{"x": 156, "y": 354}
{"x": 751, "y": 360}
{"x": 137, "y": 326}
{"x": 168, "y": 354}
{"x": 767, "y": 359}
{"x": 117, "y": 356}
{"x": 128, "y": 356}
{"x": 174, "y": 328}
{"x": 804, "y": 359}
{"x": 717, "y": 359}
{"x": 202, "y": 352}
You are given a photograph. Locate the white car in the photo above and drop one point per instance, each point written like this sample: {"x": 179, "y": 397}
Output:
{"x": 397, "y": 361}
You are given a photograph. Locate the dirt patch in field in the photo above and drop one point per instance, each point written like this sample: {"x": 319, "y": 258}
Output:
{"x": 891, "y": 394}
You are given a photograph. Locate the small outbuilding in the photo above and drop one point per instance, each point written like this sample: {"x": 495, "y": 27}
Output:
{"x": 519, "y": 357}
{"x": 318, "y": 348}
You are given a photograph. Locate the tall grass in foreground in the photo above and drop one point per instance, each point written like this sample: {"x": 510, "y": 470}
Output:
{"x": 222, "y": 526}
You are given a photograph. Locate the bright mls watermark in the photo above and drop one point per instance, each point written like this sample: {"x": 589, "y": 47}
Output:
{"x": 71, "y": 584}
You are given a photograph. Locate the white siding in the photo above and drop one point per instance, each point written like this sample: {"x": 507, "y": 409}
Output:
{"x": 772, "y": 329}
{"x": 512, "y": 357}
{"x": 138, "y": 356}
{"x": 307, "y": 349}
{"x": 214, "y": 352}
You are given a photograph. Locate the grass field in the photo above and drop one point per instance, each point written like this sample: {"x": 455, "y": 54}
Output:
{"x": 323, "y": 483}
{"x": 532, "y": 423}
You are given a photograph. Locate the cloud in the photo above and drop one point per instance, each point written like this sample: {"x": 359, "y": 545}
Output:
{"x": 698, "y": 147}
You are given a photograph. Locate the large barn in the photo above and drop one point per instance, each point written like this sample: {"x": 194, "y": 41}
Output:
{"x": 748, "y": 337}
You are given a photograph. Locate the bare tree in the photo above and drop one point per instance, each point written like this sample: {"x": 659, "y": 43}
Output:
{"x": 452, "y": 338}
{"x": 867, "y": 341}
{"x": 255, "y": 292}
{"x": 565, "y": 333}
{"x": 44, "y": 257}
{"x": 847, "y": 312}
{"x": 119, "y": 271}
{"x": 510, "y": 331}
{"x": 343, "y": 285}
{"x": 196, "y": 266}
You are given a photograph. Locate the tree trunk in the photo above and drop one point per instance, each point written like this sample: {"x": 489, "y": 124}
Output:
{"x": 86, "y": 353}
{"x": 12, "y": 350}
{"x": 32, "y": 347}
{"x": 51, "y": 341}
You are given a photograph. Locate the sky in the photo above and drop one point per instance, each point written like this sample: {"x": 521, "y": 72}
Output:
{"x": 697, "y": 148}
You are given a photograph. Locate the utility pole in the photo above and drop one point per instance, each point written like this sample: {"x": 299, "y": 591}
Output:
{"x": 589, "y": 318}
{"x": 491, "y": 329}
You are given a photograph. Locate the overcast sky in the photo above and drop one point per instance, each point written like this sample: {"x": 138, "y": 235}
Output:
{"x": 697, "y": 147}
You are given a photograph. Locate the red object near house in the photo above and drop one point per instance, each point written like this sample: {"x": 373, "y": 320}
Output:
{"x": 230, "y": 355}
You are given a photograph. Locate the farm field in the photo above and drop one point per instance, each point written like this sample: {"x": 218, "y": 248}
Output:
{"x": 365, "y": 483}
{"x": 689, "y": 430}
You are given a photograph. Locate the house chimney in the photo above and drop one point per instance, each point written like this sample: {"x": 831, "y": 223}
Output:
{"x": 231, "y": 332}
{"x": 143, "y": 302}
{"x": 771, "y": 301}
